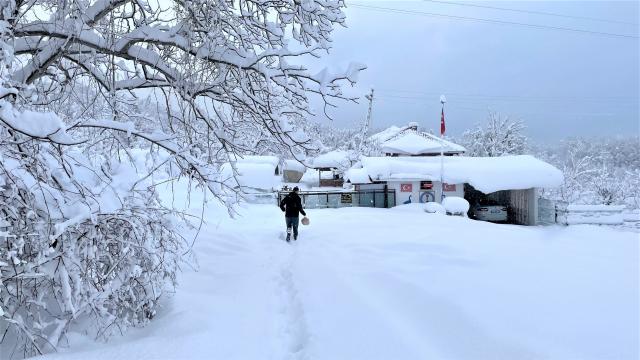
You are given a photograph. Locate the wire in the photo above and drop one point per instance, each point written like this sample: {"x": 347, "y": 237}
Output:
{"x": 503, "y": 22}
{"x": 421, "y": 95}
{"x": 534, "y": 12}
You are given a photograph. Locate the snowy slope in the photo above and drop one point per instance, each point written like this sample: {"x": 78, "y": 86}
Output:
{"x": 394, "y": 284}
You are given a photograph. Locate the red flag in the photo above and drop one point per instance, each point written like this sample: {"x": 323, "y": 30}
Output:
{"x": 442, "y": 127}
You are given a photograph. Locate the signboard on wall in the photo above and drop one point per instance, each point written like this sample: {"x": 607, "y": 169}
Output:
{"x": 346, "y": 198}
{"x": 406, "y": 187}
{"x": 449, "y": 187}
{"x": 427, "y": 196}
{"x": 426, "y": 185}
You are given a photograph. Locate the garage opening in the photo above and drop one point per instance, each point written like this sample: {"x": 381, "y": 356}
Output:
{"x": 520, "y": 205}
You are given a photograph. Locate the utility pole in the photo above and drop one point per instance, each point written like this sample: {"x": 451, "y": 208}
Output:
{"x": 370, "y": 98}
{"x": 367, "y": 124}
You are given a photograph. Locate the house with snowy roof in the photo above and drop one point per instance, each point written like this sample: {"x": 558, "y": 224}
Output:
{"x": 414, "y": 171}
{"x": 408, "y": 141}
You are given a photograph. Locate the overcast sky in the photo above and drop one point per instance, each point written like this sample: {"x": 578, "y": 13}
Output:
{"x": 561, "y": 83}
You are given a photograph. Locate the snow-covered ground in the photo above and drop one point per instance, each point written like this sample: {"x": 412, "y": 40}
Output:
{"x": 396, "y": 283}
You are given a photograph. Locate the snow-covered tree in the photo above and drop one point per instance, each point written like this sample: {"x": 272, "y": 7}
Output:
{"x": 84, "y": 235}
{"x": 500, "y": 135}
{"x": 596, "y": 170}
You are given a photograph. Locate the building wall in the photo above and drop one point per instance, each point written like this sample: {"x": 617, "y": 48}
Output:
{"x": 418, "y": 195}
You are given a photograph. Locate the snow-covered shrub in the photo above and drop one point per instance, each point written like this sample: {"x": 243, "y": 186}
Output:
{"x": 456, "y": 205}
{"x": 78, "y": 244}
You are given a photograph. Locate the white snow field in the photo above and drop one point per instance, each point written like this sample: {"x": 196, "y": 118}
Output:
{"x": 396, "y": 283}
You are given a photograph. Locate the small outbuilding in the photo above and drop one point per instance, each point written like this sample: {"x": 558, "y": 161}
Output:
{"x": 292, "y": 171}
{"x": 330, "y": 167}
{"x": 512, "y": 180}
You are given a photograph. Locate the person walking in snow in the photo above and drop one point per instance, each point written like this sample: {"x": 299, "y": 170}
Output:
{"x": 291, "y": 205}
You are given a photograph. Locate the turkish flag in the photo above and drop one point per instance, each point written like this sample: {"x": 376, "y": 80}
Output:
{"x": 442, "y": 127}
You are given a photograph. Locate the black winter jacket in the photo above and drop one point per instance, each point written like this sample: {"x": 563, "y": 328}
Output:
{"x": 292, "y": 205}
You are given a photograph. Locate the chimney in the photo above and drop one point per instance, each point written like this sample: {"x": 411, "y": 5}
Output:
{"x": 413, "y": 126}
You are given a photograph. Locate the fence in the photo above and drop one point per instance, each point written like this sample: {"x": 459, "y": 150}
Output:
{"x": 591, "y": 214}
{"x": 547, "y": 211}
{"x": 551, "y": 212}
{"x": 337, "y": 199}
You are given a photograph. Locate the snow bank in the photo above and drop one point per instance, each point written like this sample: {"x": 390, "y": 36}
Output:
{"x": 486, "y": 174}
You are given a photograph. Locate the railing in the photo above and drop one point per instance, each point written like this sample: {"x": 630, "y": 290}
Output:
{"x": 338, "y": 199}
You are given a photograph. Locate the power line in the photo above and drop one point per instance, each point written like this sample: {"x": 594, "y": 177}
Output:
{"x": 407, "y": 94}
{"x": 503, "y": 22}
{"x": 534, "y": 12}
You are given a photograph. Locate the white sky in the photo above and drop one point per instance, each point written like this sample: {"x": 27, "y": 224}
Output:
{"x": 561, "y": 83}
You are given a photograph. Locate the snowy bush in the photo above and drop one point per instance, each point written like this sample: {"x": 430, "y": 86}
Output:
{"x": 456, "y": 205}
{"x": 85, "y": 239}
{"x": 77, "y": 246}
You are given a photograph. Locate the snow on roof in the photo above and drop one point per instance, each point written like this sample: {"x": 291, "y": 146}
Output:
{"x": 414, "y": 143}
{"x": 486, "y": 174}
{"x": 257, "y": 172}
{"x": 357, "y": 176}
{"x": 332, "y": 159}
{"x": 386, "y": 134}
{"x": 258, "y": 159}
{"x": 294, "y": 165}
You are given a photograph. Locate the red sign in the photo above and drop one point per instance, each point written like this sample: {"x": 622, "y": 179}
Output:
{"x": 449, "y": 187}
{"x": 426, "y": 185}
{"x": 406, "y": 187}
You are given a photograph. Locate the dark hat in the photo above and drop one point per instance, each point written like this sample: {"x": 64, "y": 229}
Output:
{"x": 295, "y": 188}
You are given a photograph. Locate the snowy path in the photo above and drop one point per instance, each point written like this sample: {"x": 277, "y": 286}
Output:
{"x": 355, "y": 287}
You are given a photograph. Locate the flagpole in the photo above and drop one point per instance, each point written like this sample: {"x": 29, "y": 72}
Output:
{"x": 442, "y": 130}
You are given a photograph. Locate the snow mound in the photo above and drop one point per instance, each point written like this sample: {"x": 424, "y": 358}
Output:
{"x": 435, "y": 208}
{"x": 455, "y": 205}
